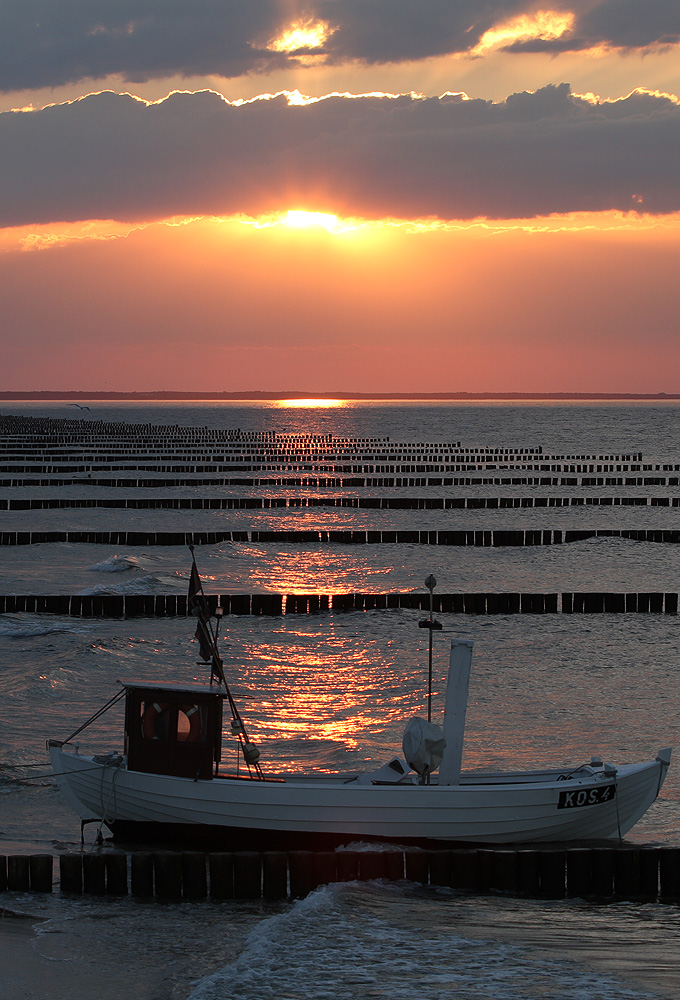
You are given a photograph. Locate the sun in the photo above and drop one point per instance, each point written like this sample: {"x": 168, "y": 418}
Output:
{"x": 308, "y": 220}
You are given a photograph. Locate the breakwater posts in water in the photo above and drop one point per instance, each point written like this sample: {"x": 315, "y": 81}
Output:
{"x": 349, "y": 482}
{"x": 173, "y": 605}
{"x": 356, "y": 503}
{"x": 471, "y": 539}
{"x": 602, "y": 873}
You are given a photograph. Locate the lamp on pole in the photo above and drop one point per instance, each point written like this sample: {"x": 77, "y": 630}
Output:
{"x": 431, "y": 624}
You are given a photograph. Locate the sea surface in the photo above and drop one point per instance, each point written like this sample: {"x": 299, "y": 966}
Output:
{"x": 334, "y": 690}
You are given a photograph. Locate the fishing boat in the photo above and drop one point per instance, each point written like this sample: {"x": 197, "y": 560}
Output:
{"x": 169, "y": 785}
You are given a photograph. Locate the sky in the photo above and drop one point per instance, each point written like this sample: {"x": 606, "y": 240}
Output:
{"x": 340, "y": 195}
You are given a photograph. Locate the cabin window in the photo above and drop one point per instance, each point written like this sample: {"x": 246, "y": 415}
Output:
{"x": 190, "y": 724}
{"x": 163, "y": 721}
{"x": 155, "y": 720}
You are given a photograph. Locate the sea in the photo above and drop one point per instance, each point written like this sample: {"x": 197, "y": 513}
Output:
{"x": 334, "y": 690}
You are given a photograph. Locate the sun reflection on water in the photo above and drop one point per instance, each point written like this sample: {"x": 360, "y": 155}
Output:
{"x": 330, "y": 700}
{"x": 311, "y": 403}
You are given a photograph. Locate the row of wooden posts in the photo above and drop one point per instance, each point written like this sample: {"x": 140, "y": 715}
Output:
{"x": 348, "y": 482}
{"x": 650, "y": 873}
{"x": 173, "y": 605}
{"x": 355, "y": 503}
{"x": 471, "y": 538}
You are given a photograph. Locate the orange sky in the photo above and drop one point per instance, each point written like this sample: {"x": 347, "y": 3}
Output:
{"x": 388, "y": 299}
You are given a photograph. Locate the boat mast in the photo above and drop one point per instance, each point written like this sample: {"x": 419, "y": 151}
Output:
{"x": 207, "y": 635}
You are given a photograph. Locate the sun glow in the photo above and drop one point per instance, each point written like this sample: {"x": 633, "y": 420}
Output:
{"x": 301, "y": 38}
{"x": 309, "y": 404}
{"x": 307, "y": 220}
{"x": 544, "y": 24}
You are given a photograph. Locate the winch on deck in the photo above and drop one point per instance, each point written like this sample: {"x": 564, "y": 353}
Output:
{"x": 173, "y": 730}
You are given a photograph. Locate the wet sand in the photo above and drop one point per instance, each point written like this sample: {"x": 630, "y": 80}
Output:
{"x": 145, "y": 951}
{"x": 22, "y": 975}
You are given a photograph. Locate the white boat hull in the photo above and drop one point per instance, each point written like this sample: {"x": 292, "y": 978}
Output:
{"x": 520, "y": 808}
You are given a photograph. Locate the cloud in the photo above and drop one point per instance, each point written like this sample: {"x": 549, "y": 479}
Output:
{"x": 614, "y": 24}
{"x": 111, "y": 156}
{"x": 47, "y": 44}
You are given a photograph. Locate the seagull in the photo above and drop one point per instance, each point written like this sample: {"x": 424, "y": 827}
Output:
{"x": 80, "y": 407}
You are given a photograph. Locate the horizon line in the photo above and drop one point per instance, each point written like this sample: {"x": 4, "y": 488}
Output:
{"x": 253, "y": 394}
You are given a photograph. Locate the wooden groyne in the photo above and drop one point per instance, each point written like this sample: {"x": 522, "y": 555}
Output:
{"x": 341, "y": 482}
{"x": 88, "y": 447}
{"x": 601, "y": 873}
{"x": 473, "y": 538}
{"x": 353, "y": 503}
{"x": 173, "y": 605}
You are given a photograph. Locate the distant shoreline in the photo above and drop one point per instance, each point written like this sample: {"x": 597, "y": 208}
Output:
{"x": 296, "y": 394}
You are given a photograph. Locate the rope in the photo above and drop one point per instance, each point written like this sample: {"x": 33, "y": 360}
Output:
{"x": 93, "y": 718}
{"x": 37, "y": 777}
{"x": 105, "y": 808}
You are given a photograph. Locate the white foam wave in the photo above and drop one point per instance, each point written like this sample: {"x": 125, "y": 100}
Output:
{"x": 116, "y": 564}
{"x": 330, "y": 946}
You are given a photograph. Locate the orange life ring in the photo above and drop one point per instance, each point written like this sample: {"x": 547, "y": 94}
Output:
{"x": 152, "y": 714}
{"x": 155, "y": 710}
{"x": 194, "y": 716}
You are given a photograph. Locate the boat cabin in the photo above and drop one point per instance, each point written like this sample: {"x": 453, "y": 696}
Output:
{"x": 175, "y": 730}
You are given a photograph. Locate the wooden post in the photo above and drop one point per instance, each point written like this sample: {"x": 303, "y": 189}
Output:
{"x": 40, "y": 870}
{"x": 167, "y": 866}
{"x": 579, "y": 863}
{"x": 602, "y": 872}
{"x": 274, "y": 875}
{"x": 94, "y": 874}
{"x": 464, "y": 870}
{"x": 505, "y": 871}
{"x": 221, "y": 866}
{"x": 325, "y": 867}
{"x": 247, "y": 875}
{"x": 302, "y": 875}
{"x": 71, "y": 873}
{"x": 669, "y": 873}
{"x": 141, "y": 875}
{"x": 416, "y": 865}
{"x": 627, "y": 873}
{"x": 194, "y": 876}
{"x": 348, "y": 866}
{"x": 528, "y": 873}
{"x": 117, "y": 874}
{"x": 371, "y": 865}
{"x": 18, "y": 873}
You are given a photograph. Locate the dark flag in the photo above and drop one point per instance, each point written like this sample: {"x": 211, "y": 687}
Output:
{"x": 204, "y": 644}
{"x": 197, "y": 605}
{"x": 195, "y": 585}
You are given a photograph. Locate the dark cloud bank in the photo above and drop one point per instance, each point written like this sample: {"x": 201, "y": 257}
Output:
{"x": 47, "y": 43}
{"x": 110, "y": 156}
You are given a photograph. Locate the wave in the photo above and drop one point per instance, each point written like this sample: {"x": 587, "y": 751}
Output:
{"x": 16, "y": 627}
{"x": 147, "y": 584}
{"x": 365, "y": 939}
{"x": 116, "y": 564}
